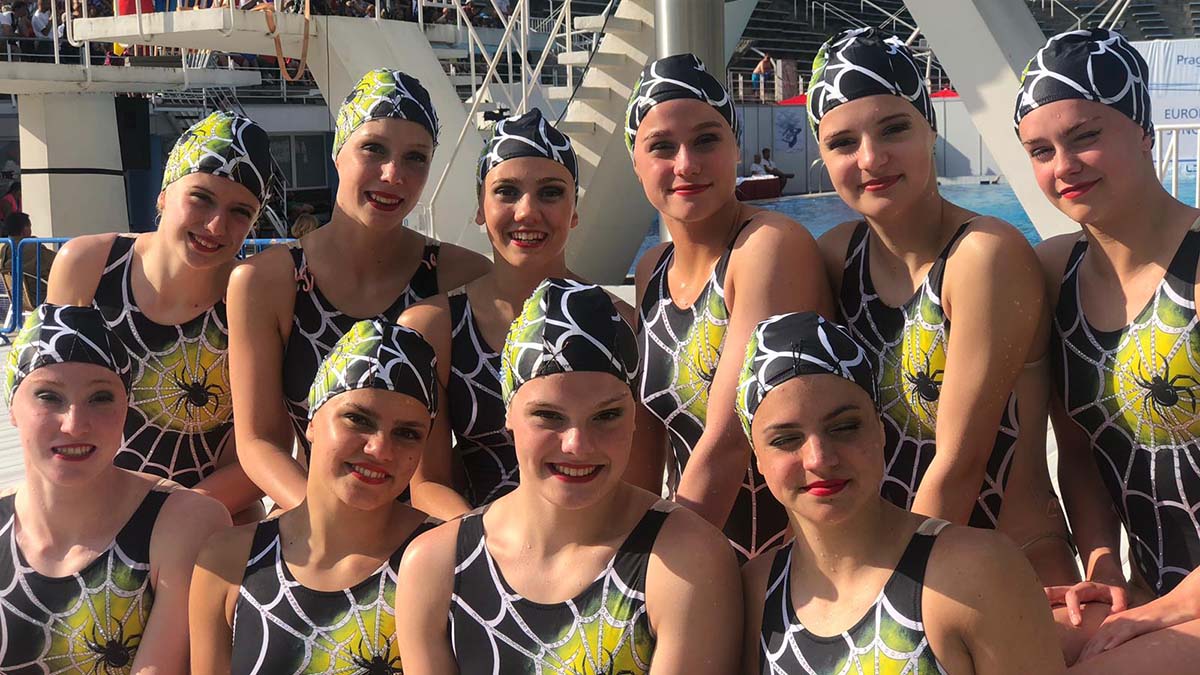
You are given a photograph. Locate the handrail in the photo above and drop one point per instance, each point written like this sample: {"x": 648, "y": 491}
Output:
{"x": 592, "y": 51}
{"x": 1170, "y": 156}
{"x": 894, "y": 17}
{"x": 16, "y": 293}
{"x": 817, "y": 164}
{"x": 838, "y": 12}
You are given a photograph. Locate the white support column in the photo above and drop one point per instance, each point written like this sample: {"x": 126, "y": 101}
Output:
{"x": 71, "y": 176}
{"x": 984, "y": 46}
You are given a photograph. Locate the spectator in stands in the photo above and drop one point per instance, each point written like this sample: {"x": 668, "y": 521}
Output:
{"x": 6, "y": 20}
{"x": 41, "y": 27}
{"x": 758, "y": 78}
{"x": 22, "y": 27}
{"x": 774, "y": 170}
{"x": 11, "y": 201}
{"x": 35, "y": 269}
{"x": 304, "y": 224}
{"x": 756, "y": 167}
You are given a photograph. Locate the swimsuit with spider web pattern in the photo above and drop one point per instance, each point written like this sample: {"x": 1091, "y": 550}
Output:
{"x": 477, "y": 411}
{"x": 1134, "y": 392}
{"x": 888, "y": 640}
{"x": 680, "y": 350}
{"x": 317, "y": 325}
{"x": 87, "y": 623}
{"x": 280, "y": 626}
{"x": 908, "y": 346}
{"x": 602, "y": 631}
{"x": 180, "y": 410}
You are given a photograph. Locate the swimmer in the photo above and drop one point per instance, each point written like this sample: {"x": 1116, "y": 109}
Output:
{"x": 290, "y": 304}
{"x": 528, "y": 179}
{"x": 313, "y": 590}
{"x": 964, "y": 410}
{"x": 95, "y": 559}
{"x": 163, "y": 293}
{"x": 728, "y": 266}
{"x": 575, "y": 570}
{"x": 866, "y": 586}
{"x": 1126, "y": 355}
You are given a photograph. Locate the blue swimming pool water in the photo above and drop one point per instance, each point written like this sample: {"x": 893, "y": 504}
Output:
{"x": 820, "y": 213}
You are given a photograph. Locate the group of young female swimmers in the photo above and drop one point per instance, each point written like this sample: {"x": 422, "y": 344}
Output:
{"x": 478, "y": 483}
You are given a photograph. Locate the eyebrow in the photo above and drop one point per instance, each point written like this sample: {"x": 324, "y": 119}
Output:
{"x": 659, "y": 133}
{"x": 1070, "y": 130}
{"x": 785, "y": 426}
{"x": 549, "y": 404}
{"x": 894, "y": 117}
{"x": 839, "y": 410}
{"x": 366, "y": 412}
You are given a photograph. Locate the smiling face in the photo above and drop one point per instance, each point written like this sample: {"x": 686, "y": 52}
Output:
{"x": 879, "y": 152}
{"x": 69, "y": 417}
{"x": 1088, "y": 158}
{"x": 382, "y": 169}
{"x": 366, "y": 444}
{"x": 573, "y": 433}
{"x": 207, "y": 218}
{"x": 819, "y": 442}
{"x": 528, "y": 204}
{"x": 685, "y": 156}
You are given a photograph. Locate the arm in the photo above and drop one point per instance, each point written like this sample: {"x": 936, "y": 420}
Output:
{"x": 775, "y": 268}
{"x": 432, "y": 485}
{"x": 1032, "y": 516}
{"x": 694, "y": 599}
{"x": 1180, "y": 605}
{"x": 982, "y": 607}
{"x": 229, "y": 484}
{"x": 216, "y": 581}
{"x": 647, "y": 459}
{"x": 260, "y": 293}
{"x": 185, "y": 522}
{"x": 993, "y": 277}
{"x": 754, "y": 594}
{"x": 424, "y": 585}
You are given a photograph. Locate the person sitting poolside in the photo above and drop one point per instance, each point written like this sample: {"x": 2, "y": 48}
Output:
{"x": 526, "y": 186}
{"x": 163, "y": 293}
{"x": 312, "y": 591}
{"x": 770, "y": 168}
{"x": 575, "y": 570}
{"x": 866, "y": 586}
{"x": 947, "y": 302}
{"x": 95, "y": 560}
{"x": 1126, "y": 354}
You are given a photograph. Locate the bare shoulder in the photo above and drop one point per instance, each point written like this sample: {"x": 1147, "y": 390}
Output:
{"x": 186, "y": 512}
{"x": 647, "y": 263}
{"x": 77, "y": 269}
{"x": 1054, "y": 252}
{"x": 766, "y": 230}
{"x": 272, "y": 266}
{"x": 429, "y": 317}
{"x": 457, "y": 265}
{"x": 993, "y": 237}
{"x": 755, "y": 574}
{"x": 834, "y": 242}
{"x": 689, "y": 545}
{"x": 971, "y": 566}
{"x": 431, "y": 556}
{"x": 226, "y": 551}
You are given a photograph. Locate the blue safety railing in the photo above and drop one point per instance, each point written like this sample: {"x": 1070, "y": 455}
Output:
{"x": 16, "y": 309}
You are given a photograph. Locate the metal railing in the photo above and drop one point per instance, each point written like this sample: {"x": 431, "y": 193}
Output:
{"x": 14, "y": 313}
{"x": 1169, "y": 140}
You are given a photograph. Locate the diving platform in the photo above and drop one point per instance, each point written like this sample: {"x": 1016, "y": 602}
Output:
{"x": 220, "y": 29}
{"x": 51, "y": 78}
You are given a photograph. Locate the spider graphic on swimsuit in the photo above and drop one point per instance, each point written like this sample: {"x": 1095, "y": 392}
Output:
{"x": 116, "y": 652}
{"x": 375, "y": 664}
{"x": 1162, "y": 392}
{"x": 198, "y": 395}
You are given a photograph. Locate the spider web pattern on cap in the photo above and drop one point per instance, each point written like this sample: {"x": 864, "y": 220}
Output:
{"x": 223, "y": 144}
{"x": 53, "y": 334}
{"x": 675, "y": 77}
{"x": 567, "y": 326}
{"x": 381, "y": 94}
{"x": 785, "y": 346}
{"x": 860, "y": 62}
{"x": 1097, "y": 65}
{"x": 528, "y": 135}
{"x": 380, "y": 355}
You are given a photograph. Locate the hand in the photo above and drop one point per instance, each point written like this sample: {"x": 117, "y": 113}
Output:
{"x": 1121, "y": 627}
{"x": 1084, "y": 592}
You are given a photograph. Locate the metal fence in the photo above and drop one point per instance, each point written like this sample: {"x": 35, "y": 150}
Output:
{"x": 14, "y": 279}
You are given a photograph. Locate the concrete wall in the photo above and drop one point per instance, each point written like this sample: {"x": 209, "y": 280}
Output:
{"x": 961, "y": 151}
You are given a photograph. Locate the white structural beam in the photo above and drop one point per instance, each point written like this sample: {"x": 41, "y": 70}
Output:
{"x": 71, "y": 174}
{"x": 51, "y": 78}
{"x": 984, "y": 45}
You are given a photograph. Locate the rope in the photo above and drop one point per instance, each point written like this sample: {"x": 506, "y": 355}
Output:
{"x": 269, "y": 12}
